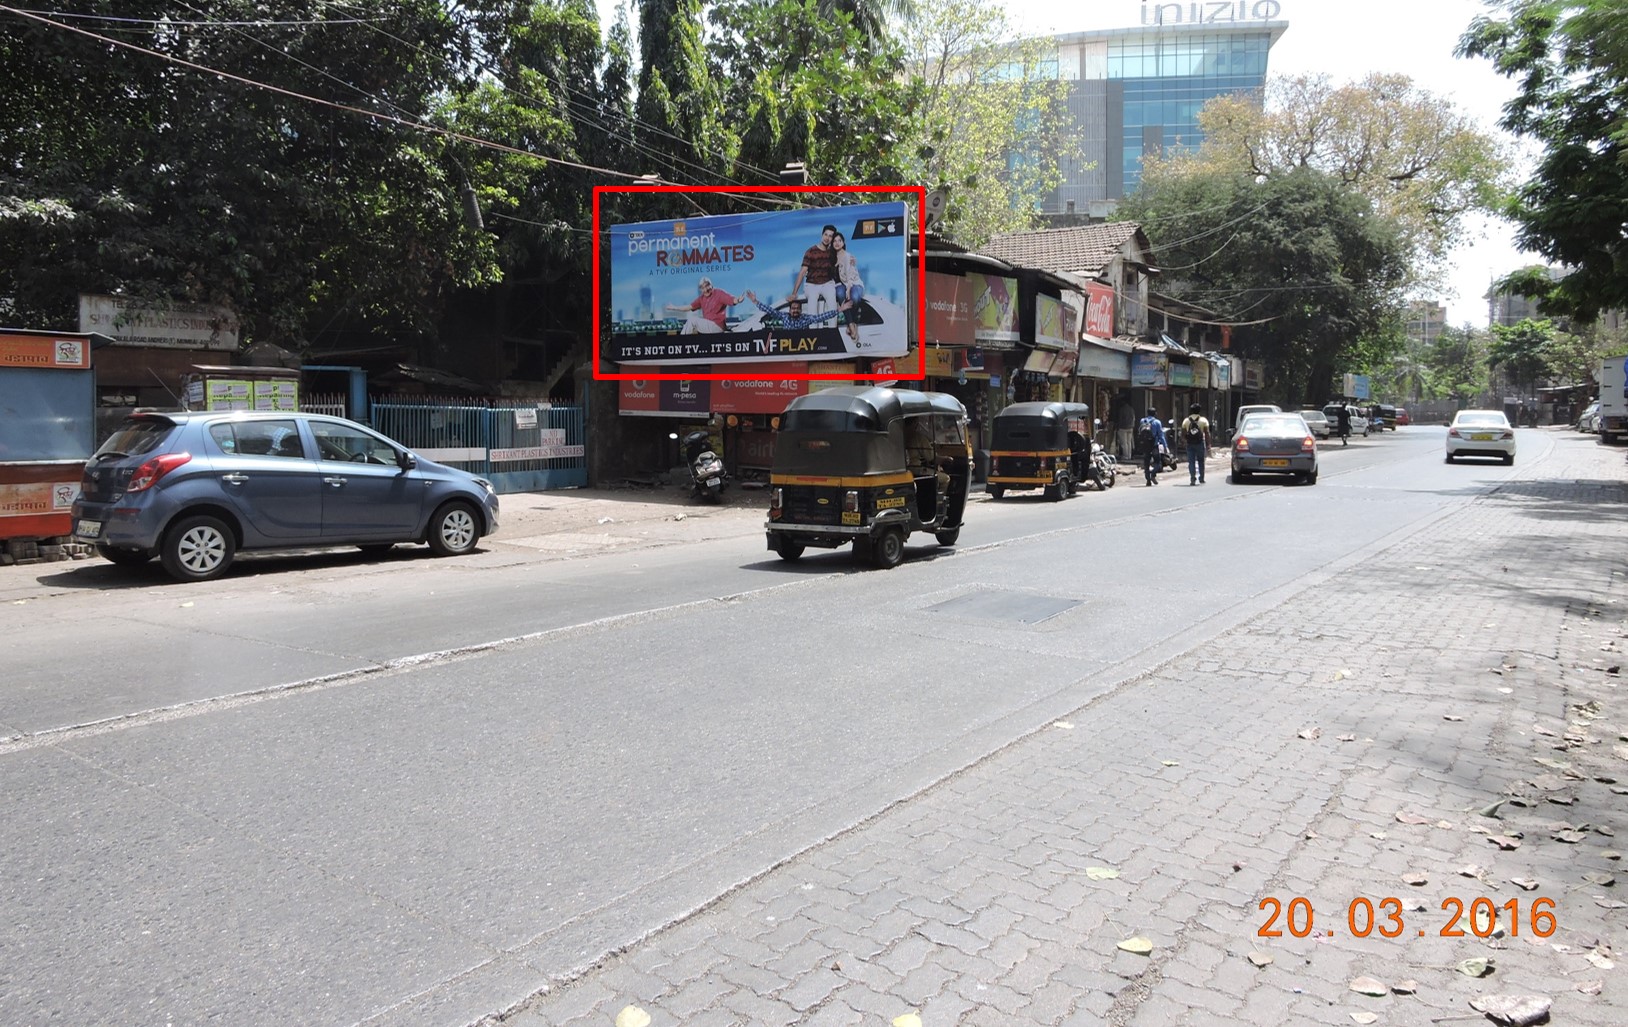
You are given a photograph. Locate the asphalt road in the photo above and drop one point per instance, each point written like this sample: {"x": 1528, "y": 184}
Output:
{"x": 327, "y": 790}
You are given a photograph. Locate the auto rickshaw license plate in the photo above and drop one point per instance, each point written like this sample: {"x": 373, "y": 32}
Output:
{"x": 1274, "y": 463}
{"x": 850, "y": 518}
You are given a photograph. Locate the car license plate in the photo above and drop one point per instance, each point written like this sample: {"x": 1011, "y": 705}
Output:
{"x": 1483, "y": 437}
{"x": 713, "y": 482}
{"x": 88, "y": 529}
{"x": 1274, "y": 463}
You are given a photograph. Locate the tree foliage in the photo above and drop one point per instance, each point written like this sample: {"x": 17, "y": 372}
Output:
{"x": 991, "y": 123}
{"x": 1457, "y": 362}
{"x": 1302, "y": 263}
{"x": 1519, "y": 349}
{"x": 1422, "y": 162}
{"x": 1570, "y": 58}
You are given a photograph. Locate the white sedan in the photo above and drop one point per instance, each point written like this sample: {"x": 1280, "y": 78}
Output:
{"x": 1481, "y": 433}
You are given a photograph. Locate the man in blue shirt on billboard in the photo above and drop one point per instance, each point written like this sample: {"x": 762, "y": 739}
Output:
{"x": 792, "y": 316}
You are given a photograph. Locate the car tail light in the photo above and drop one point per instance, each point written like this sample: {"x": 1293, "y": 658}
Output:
{"x": 1241, "y": 444}
{"x": 149, "y": 473}
{"x": 1508, "y": 434}
{"x": 1452, "y": 433}
{"x": 850, "y": 501}
{"x": 1308, "y": 444}
{"x": 776, "y": 500}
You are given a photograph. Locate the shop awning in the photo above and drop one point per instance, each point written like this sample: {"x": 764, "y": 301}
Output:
{"x": 1040, "y": 361}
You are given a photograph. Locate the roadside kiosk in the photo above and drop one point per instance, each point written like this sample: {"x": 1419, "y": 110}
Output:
{"x": 47, "y": 428}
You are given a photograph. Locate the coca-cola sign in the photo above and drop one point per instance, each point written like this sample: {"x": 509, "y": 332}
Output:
{"x": 1099, "y": 310}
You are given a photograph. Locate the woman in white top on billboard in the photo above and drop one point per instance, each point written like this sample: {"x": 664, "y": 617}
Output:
{"x": 850, "y": 287}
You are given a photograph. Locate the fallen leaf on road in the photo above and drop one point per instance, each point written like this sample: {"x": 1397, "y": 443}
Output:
{"x": 1611, "y": 904}
{"x": 1506, "y": 691}
{"x": 907, "y": 1020}
{"x": 188, "y": 605}
{"x": 1381, "y": 835}
{"x": 1492, "y": 810}
{"x": 1063, "y": 725}
{"x": 1590, "y": 987}
{"x": 1312, "y": 733}
{"x": 1544, "y": 761}
{"x": 1480, "y": 966}
{"x": 1473, "y": 870}
{"x": 1347, "y": 738}
{"x": 1540, "y": 729}
{"x": 1504, "y": 842}
{"x": 1603, "y": 880}
{"x": 1405, "y": 987}
{"x": 1513, "y": 1010}
{"x": 1140, "y": 946}
{"x": 1610, "y": 854}
{"x": 1452, "y": 717}
{"x": 1569, "y": 837}
{"x": 1416, "y": 879}
{"x": 1260, "y": 959}
{"x": 1370, "y": 986}
{"x": 1407, "y": 817}
{"x": 1170, "y": 763}
{"x": 1603, "y": 962}
{"x": 1524, "y": 883}
{"x": 1101, "y": 873}
{"x": 1341, "y": 675}
{"x": 1549, "y": 783}
{"x": 1364, "y": 1018}
{"x": 632, "y": 1016}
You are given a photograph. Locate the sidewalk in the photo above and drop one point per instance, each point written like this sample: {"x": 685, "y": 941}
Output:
{"x": 1307, "y": 755}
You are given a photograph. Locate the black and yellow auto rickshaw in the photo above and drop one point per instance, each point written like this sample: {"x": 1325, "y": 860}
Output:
{"x": 868, "y": 465}
{"x": 1040, "y": 446}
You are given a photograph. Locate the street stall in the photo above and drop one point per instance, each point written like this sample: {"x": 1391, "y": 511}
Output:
{"x": 47, "y": 431}
{"x": 241, "y": 387}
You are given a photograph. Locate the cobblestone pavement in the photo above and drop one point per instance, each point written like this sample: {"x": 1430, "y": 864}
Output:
{"x": 1343, "y": 747}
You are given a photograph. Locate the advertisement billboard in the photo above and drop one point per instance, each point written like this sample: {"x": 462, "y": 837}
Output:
{"x": 776, "y": 286}
{"x": 994, "y": 311}
{"x": 949, "y": 310}
{"x": 1099, "y": 310}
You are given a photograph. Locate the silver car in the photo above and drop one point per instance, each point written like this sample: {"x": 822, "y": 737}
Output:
{"x": 1274, "y": 444}
{"x": 194, "y": 489}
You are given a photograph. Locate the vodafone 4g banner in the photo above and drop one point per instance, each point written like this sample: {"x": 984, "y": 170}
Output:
{"x": 818, "y": 284}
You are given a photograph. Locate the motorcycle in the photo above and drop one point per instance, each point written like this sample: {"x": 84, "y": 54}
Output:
{"x": 1104, "y": 469}
{"x": 707, "y": 477}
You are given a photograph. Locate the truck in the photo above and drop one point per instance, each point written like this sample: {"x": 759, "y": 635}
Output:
{"x": 1613, "y": 414}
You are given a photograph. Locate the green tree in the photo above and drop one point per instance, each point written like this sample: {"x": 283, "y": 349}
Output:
{"x": 1574, "y": 357}
{"x": 1570, "y": 58}
{"x": 991, "y": 123}
{"x": 1422, "y": 162}
{"x": 679, "y": 107}
{"x": 1519, "y": 351}
{"x": 1301, "y": 263}
{"x": 1457, "y": 362}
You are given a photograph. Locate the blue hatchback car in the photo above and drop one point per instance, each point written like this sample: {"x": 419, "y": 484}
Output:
{"x": 195, "y": 488}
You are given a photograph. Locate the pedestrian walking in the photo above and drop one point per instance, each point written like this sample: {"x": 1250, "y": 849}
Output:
{"x": 1151, "y": 445}
{"x": 1195, "y": 435}
{"x": 1125, "y": 427}
{"x": 1343, "y": 424}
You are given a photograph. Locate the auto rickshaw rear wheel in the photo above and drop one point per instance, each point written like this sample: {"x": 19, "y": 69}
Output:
{"x": 888, "y": 549}
{"x": 1057, "y": 491}
{"x": 997, "y": 491}
{"x": 787, "y": 549}
{"x": 947, "y": 537}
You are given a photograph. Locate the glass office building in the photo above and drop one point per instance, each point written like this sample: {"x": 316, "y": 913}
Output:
{"x": 1138, "y": 91}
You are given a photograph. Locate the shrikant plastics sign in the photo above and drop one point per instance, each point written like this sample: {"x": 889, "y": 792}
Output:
{"x": 826, "y": 283}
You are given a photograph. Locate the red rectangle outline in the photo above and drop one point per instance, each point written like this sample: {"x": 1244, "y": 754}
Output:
{"x": 920, "y": 192}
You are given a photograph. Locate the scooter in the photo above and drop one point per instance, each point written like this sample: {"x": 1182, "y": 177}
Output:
{"x": 1104, "y": 468}
{"x": 707, "y": 477}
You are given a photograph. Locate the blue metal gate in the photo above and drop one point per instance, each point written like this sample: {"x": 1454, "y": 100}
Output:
{"x": 518, "y": 447}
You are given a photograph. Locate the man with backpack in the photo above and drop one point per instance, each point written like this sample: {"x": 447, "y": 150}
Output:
{"x": 1195, "y": 435}
{"x": 1151, "y": 445}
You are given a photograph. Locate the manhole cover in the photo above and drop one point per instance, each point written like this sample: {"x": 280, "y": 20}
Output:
{"x": 1016, "y": 607}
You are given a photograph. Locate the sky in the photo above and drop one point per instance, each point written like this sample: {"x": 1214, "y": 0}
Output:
{"x": 1348, "y": 39}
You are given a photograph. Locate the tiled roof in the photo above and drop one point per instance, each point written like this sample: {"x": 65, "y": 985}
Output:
{"x": 1083, "y": 249}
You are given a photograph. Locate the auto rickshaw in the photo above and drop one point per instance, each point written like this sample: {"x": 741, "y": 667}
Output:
{"x": 868, "y": 465}
{"x": 1041, "y": 446}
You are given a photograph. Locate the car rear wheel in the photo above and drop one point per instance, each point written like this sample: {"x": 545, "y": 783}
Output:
{"x": 122, "y": 557}
{"x": 198, "y": 549}
{"x": 1310, "y": 478}
{"x": 1449, "y": 458}
{"x": 1509, "y": 460}
{"x": 888, "y": 550}
{"x": 454, "y": 530}
{"x": 1240, "y": 477}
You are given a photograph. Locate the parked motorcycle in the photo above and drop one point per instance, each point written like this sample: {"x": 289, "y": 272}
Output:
{"x": 707, "y": 477}
{"x": 1104, "y": 469}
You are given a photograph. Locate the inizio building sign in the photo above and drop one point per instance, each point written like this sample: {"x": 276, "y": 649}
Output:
{"x": 1210, "y": 12}
{"x": 819, "y": 284}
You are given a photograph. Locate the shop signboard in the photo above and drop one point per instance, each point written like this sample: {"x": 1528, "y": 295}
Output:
{"x": 679, "y": 289}
{"x": 1048, "y": 322}
{"x": 1099, "y": 310}
{"x": 133, "y": 322}
{"x": 940, "y": 363}
{"x": 665, "y": 398}
{"x": 766, "y": 395}
{"x": 1356, "y": 386}
{"x": 1203, "y": 373}
{"x": 1253, "y": 379}
{"x": 1150, "y": 370}
{"x": 19, "y": 350}
{"x": 1181, "y": 375}
{"x": 1100, "y": 362}
{"x": 994, "y": 311}
{"x": 949, "y": 310}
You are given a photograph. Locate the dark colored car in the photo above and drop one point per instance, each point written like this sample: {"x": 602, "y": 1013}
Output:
{"x": 194, "y": 489}
{"x": 1274, "y": 444}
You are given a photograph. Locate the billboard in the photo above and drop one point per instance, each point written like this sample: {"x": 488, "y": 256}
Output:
{"x": 949, "y": 309}
{"x": 1099, "y": 310}
{"x": 777, "y": 286}
{"x": 994, "y": 311}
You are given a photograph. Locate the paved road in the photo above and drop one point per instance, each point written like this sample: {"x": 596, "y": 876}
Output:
{"x": 867, "y": 772}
